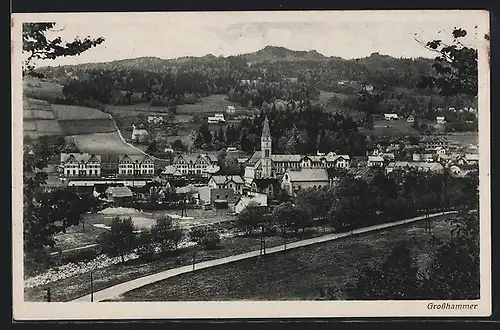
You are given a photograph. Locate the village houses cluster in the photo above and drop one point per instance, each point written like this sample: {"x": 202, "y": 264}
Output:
{"x": 265, "y": 173}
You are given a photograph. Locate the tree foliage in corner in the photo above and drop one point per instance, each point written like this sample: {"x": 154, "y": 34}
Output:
{"x": 456, "y": 68}
{"x": 38, "y": 46}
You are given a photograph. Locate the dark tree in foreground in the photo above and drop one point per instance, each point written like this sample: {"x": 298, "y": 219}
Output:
{"x": 395, "y": 279}
{"x": 37, "y": 45}
{"x": 455, "y": 67}
{"x": 120, "y": 239}
{"x": 453, "y": 272}
{"x": 166, "y": 234}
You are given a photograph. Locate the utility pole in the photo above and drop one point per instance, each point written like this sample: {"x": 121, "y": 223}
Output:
{"x": 91, "y": 286}
{"x": 47, "y": 294}
{"x": 194, "y": 257}
{"x": 284, "y": 235}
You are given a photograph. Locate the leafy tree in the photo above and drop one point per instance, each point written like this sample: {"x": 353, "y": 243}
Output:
{"x": 166, "y": 234}
{"x": 152, "y": 147}
{"x": 455, "y": 67}
{"x": 453, "y": 272}
{"x": 291, "y": 216}
{"x": 211, "y": 240}
{"x": 120, "y": 239}
{"x": 145, "y": 247}
{"x": 250, "y": 218}
{"x": 37, "y": 46}
{"x": 178, "y": 145}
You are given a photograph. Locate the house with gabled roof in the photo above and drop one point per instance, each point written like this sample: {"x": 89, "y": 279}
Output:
{"x": 195, "y": 164}
{"x": 80, "y": 165}
{"x": 135, "y": 165}
{"x": 294, "y": 181}
{"x": 234, "y": 182}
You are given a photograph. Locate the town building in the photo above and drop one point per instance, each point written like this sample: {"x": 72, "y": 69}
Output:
{"x": 362, "y": 173}
{"x": 135, "y": 165}
{"x": 119, "y": 195}
{"x": 375, "y": 161}
{"x": 230, "y": 110}
{"x": 263, "y": 164}
{"x": 217, "y": 118}
{"x": 433, "y": 142}
{"x": 270, "y": 186}
{"x": 234, "y": 182}
{"x": 295, "y": 180}
{"x": 194, "y": 164}
{"x": 80, "y": 165}
{"x": 391, "y": 116}
{"x": 155, "y": 120}
{"x": 410, "y": 119}
{"x": 139, "y": 134}
{"x": 417, "y": 166}
{"x": 440, "y": 120}
{"x": 468, "y": 159}
{"x": 258, "y": 200}
{"x": 208, "y": 195}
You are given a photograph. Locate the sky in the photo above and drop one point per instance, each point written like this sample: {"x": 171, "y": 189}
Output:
{"x": 343, "y": 33}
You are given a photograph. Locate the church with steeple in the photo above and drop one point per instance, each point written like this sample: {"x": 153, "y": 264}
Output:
{"x": 265, "y": 166}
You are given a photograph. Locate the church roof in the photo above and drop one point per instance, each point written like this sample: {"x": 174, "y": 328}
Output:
{"x": 254, "y": 159}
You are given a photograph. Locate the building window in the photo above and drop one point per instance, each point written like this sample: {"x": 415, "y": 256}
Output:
{"x": 218, "y": 196}
{"x": 267, "y": 152}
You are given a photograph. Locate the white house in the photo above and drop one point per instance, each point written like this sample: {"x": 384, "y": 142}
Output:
{"x": 256, "y": 199}
{"x": 294, "y": 181}
{"x": 440, "y": 120}
{"x": 410, "y": 119}
{"x": 139, "y": 134}
{"x": 230, "y": 109}
{"x": 375, "y": 161}
{"x": 155, "y": 119}
{"x": 217, "y": 118}
{"x": 80, "y": 165}
{"x": 391, "y": 116}
{"x": 234, "y": 182}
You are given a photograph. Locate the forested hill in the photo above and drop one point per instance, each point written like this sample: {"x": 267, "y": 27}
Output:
{"x": 276, "y": 62}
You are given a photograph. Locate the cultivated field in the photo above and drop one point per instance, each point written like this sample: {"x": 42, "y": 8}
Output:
{"x": 400, "y": 127}
{"x": 296, "y": 274}
{"x": 73, "y": 112}
{"x": 41, "y": 89}
{"x": 209, "y": 105}
{"x": 87, "y": 126}
{"x": 103, "y": 144}
{"x": 38, "y": 119}
{"x": 463, "y": 138}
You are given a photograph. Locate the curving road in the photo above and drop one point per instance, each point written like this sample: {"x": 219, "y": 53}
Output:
{"x": 122, "y": 288}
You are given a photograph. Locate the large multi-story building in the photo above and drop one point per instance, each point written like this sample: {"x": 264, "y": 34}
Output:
{"x": 80, "y": 165}
{"x": 194, "y": 164}
{"x": 135, "y": 166}
{"x": 264, "y": 164}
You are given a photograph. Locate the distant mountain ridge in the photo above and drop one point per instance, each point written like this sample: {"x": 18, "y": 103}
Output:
{"x": 268, "y": 54}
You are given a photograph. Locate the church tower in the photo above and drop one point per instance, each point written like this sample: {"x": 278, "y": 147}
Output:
{"x": 265, "y": 147}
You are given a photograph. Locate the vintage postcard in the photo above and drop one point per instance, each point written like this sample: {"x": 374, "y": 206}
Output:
{"x": 251, "y": 165}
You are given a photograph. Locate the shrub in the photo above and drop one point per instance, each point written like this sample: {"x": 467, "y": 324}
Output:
{"x": 80, "y": 255}
{"x": 145, "y": 248}
{"x": 211, "y": 240}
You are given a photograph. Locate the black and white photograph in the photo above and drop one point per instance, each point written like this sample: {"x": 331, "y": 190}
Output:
{"x": 251, "y": 164}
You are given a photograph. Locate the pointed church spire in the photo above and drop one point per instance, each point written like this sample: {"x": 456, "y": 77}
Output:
{"x": 265, "y": 129}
